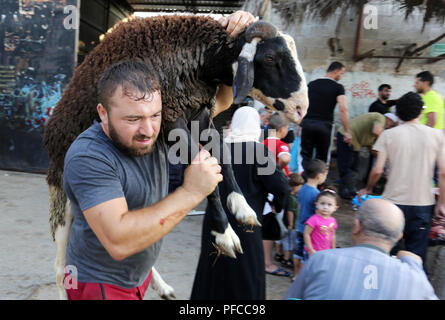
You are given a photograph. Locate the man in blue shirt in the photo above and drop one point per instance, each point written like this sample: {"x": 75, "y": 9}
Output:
{"x": 366, "y": 271}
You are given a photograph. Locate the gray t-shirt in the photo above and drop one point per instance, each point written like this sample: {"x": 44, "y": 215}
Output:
{"x": 97, "y": 171}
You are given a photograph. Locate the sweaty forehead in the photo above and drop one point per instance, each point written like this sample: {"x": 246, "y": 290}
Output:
{"x": 130, "y": 99}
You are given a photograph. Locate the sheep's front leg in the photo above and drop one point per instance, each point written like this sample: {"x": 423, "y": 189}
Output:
{"x": 236, "y": 202}
{"x": 225, "y": 238}
{"x": 158, "y": 284}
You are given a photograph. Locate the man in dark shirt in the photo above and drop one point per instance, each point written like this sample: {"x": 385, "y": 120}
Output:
{"x": 324, "y": 94}
{"x": 382, "y": 104}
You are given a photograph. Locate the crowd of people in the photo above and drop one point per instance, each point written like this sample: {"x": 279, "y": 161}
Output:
{"x": 116, "y": 251}
{"x": 395, "y": 132}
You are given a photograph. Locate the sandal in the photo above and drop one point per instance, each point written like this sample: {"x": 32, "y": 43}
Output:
{"x": 287, "y": 263}
{"x": 280, "y": 272}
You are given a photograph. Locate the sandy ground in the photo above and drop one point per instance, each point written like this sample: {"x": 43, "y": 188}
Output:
{"x": 28, "y": 252}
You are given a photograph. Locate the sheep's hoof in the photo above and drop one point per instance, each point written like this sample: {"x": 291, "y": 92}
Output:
{"x": 169, "y": 294}
{"x": 164, "y": 291}
{"x": 243, "y": 213}
{"x": 227, "y": 242}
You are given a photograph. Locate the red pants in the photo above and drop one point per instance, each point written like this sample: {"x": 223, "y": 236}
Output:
{"x": 104, "y": 291}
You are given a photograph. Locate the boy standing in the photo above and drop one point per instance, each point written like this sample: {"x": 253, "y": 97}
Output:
{"x": 316, "y": 172}
{"x": 290, "y": 219}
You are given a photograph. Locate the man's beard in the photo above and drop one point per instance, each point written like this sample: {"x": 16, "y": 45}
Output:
{"x": 139, "y": 152}
{"x": 385, "y": 97}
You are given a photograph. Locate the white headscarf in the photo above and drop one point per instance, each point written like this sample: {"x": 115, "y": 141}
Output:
{"x": 392, "y": 116}
{"x": 245, "y": 126}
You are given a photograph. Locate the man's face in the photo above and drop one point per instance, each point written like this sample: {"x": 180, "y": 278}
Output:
{"x": 419, "y": 85}
{"x": 338, "y": 74}
{"x": 385, "y": 94}
{"x": 389, "y": 123}
{"x": 132, "y": 124}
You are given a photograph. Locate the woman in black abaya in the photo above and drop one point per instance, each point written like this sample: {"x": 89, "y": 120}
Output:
{"x": 220, "y": 277}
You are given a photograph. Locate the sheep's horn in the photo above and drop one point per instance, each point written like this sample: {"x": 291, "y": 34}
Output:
{"x": 261, "y": 29}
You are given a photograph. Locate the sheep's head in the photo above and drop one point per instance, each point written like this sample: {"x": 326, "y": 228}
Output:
{"x": 269, "y": 71}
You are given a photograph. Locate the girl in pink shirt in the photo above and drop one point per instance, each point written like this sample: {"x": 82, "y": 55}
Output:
{"x": 319, "y": 233}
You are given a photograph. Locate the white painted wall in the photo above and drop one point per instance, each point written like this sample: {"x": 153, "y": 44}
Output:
{"x": 362, "y": 79}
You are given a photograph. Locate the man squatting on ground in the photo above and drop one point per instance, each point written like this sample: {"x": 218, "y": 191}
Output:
{"x": 365, "y": 129}
{"x": 121, "y": 216}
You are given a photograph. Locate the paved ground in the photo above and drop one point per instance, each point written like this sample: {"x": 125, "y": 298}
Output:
{"x": 28, "y": 252}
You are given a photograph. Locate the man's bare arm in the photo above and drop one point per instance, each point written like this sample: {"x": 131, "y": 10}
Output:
{"x": 440, "y": 206}
{"x": 431, "y": 119}
{"x": 124, "y": 233}
{"x": 283, "y": 160}
{"x": 377, "y": 129}
{"x": 375, "y": 174}
{"x": 344, "y": 117}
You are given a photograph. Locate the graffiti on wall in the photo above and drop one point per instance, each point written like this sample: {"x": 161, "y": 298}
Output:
{"x": 31, "y": 105}
{"x": 36, "y": 63}
{"x": 37, "y": 57}
{"x": 362, "y": 90}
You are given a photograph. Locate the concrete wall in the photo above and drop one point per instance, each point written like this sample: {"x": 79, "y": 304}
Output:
{"x": 362, "y": 79}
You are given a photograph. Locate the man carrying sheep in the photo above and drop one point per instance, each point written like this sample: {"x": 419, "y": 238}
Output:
{"x": 115, "y": 176}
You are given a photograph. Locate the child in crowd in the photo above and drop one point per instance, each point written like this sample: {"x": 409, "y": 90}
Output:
{"x": 319, "y": 233}
{"x": 316, "y": 172}
{"x": 278, "y": 127}
{"x": 277, "y": 130}
{"x": 290, "y": 219}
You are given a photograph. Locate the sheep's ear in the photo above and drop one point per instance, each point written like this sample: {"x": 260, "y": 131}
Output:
{"x": 244, "y": 74}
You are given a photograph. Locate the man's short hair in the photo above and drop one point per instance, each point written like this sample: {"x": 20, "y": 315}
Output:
{"x": 276, "y": 121}
{"x": 409, "y": 106}
{"x": 383, "y": 86}
{"x": 315, "y": 167}
{"x": 426, "y": 76}
{"x": 374, "y": 225}
{"x": 335, "y": 66}
{"x": 137, "y": 80}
